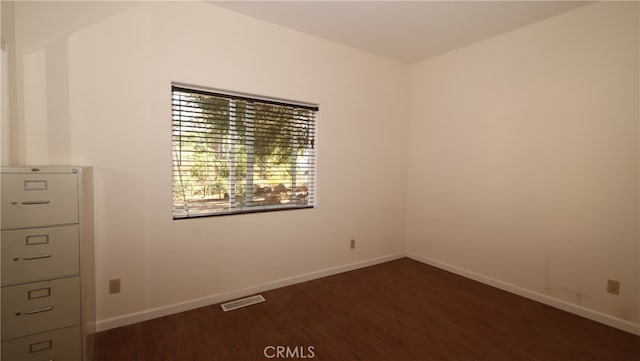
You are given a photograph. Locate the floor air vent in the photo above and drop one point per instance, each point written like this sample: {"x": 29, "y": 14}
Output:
{"x": 243, "y": 302}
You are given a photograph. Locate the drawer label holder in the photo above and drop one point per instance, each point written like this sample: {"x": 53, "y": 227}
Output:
{"x": 39, "y": 293}
{"x": 37, "y": 239}
{"x": 36, "y": 185}
{"x": 40, "y": 346}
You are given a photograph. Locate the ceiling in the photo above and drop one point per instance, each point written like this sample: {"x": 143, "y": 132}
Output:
{"x": 408, "y": 31}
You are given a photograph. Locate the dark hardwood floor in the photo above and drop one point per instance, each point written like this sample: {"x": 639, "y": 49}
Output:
{"x": 400, "y": 310}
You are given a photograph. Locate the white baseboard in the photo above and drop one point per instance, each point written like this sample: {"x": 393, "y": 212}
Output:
{"x": 152, "y": 313}
{"x": 539, "y": 297}
{"x": 144, "y": 315}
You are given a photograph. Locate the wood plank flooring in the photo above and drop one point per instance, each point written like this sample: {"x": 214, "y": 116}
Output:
{"x": 400, "y": 310}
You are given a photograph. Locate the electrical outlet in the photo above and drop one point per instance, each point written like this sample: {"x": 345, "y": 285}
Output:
{"x": 613, "y": 287}
{"x": 353, "y": 244}
{"x": 114, "y": 286}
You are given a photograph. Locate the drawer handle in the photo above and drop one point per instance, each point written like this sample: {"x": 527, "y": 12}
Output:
{"x": 37, "y": 257}
{"x": 28, "y": 203}
{"x": 40, "y": 310}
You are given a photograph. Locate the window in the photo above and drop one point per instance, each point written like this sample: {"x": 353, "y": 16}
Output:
{"x": 238, "y": 154}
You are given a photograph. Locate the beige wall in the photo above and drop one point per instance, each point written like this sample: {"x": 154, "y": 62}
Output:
{"x": 100, "y": 96}
{"x": 523, "y": 158}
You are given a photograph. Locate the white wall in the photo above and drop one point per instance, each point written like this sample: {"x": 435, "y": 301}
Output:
{"x": 638, "y": 248}
{"x": 110, "y": 84}
{"x": 523, "y": 159}
{"x": 7, "y": 37}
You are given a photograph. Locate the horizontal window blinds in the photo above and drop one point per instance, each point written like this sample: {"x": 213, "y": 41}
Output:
{"x": 237, "y": 154}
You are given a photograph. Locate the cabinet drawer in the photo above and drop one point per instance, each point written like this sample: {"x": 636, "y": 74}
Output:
{"x": 63, "y": 344}
{"x": 40, "y": 306}
{"x": 31, "y": 200}
{"x": 38, "y": 254}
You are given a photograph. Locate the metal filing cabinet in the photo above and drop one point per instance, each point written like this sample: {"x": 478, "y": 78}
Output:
{"x": 47, "y": 278}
